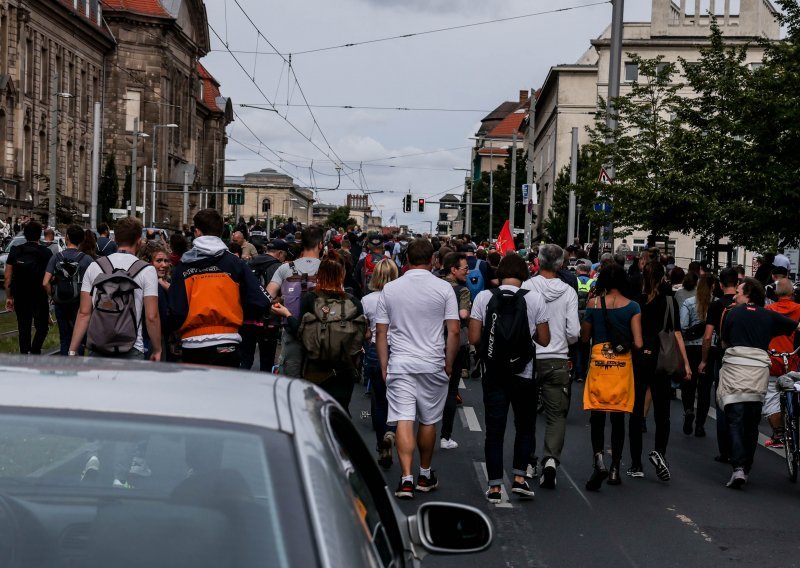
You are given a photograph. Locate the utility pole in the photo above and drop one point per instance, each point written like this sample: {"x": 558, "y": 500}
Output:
{"x": 53, "y": 195}
{"x": 573, "y": 179}
{"x": 95, "y": 165}
{"x": 468, "y": 212}
{"x": 529, "y": 168}
{"x": 491, "y": 193}
{"x": 512, "y": 197}
{"x": 614, "y": 70}
{"x": 144, "y": 196}
{"x": 133, "y": 165}
{"x": 185, "y": 214}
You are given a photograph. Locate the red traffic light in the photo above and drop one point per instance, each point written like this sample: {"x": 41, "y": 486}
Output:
{"x": 421, "y": 205}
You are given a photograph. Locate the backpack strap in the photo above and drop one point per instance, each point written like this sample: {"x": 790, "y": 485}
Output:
{"x": 105, "y": 265}
{"x": 137, "y": 267}
{"x": 293, "y": 269}
{"x": 668, "y": 315}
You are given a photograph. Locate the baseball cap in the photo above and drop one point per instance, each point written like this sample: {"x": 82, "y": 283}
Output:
{"x": 375, "y": 240}
{"x": 277, "y": 244}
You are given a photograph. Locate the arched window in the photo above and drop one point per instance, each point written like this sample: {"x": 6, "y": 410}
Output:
{"x": 70, "y": 163}
{"x": 266, "y": 206}
{"x": 81, "y": 173}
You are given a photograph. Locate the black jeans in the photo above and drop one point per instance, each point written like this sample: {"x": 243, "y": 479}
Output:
{"x": 34, "y": 310}
{"x": 66, "y": 314}
{"x": 498, "y": 393}
{"x": 644, "y": 376}
{"x": 743, "y": 419}
{"x": 379, "y": 407}
{"x": 226, "y": 355}
{"x": 450, "y": 404}
{"x": 252, "y": 336}
{"x": 597, "y": 420}
{"x": 700, "y": 384}
{"x": 723, "y": 432}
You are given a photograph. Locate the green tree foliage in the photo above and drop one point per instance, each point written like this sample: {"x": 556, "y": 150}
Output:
{"x": 646, "y": 192}
{"x": 340, "y": 217}
{"x": 108, "y": 191}
{"x": 501, "y": 192}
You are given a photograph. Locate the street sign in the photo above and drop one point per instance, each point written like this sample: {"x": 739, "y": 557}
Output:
{"x": 118, "y": 211}
{"x": 604, "y": 207}
{"x": 525, "y": 192}
{"x": 604, "y": 177}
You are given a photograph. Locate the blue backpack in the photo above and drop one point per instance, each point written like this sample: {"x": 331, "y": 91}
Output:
{"x": 475, "y": 282}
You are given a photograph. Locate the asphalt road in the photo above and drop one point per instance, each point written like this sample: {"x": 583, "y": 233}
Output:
{"x": 692, "y": 520}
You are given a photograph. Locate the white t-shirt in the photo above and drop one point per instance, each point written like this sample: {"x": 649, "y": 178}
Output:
{"x": 536, "y": 314}
{"x": 415, "y": 307}
{"x": 303, "y": 265}
{"x": 370, "y": 305}
{"x": 147, "y": 280}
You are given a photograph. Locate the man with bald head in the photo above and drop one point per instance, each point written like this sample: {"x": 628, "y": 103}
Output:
{"x": 785, "y": 305}
{"x": 248, "y": 250}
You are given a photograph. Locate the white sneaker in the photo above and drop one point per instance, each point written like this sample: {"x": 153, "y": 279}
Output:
{"x": 139, "y": 467}
{"x": 532, "y": 471}
{"x": 738, "y": 479}
{"x": 91, "y": 468}
{"x": 121, "y": 484}
{"x": 548, "y": 479}
{"x": 448, "y": 444}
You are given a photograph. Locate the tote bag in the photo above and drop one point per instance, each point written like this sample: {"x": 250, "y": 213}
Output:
{"x": 669, "y": 357}
{"x": 609, "y": 383}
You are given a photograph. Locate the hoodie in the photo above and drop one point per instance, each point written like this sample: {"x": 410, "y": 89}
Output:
{"x": 212, "y": 293}
{"x": 561, "y": 309}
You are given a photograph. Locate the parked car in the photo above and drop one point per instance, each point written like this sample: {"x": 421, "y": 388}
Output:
{"x": 58, "y": 245}
{"x": 118, "y": 463}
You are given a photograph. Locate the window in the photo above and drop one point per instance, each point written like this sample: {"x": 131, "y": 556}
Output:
{"x": 27, "y": 151}
{"x": 44, "y": 75}
{"x": 266, "y": 206}
{"x": 3, "y": 40}
{"x": 83, "y": 101}
{"x": 29, "y": 67}
{"x": 70, "y": 163}
{"x": 638, "y": 245}
{"x": 734, "y": 7}
{"x": 660, "y": 67}
{"x": 81, "y": 186}
{"x": 2, "y": 143}
{"x": 631, "y": 72}
{"x": 443, "y": 216}
{"x": 756, "y": 66}
{"x": 133, "y": 106}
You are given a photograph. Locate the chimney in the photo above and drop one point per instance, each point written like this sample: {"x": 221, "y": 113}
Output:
{"x": 523, "y": 96}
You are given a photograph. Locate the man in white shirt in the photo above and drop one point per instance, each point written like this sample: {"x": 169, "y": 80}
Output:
{"x": 127, "y": 235}
{"x": 412, "y": 309}
{"x": 552, "y": 370}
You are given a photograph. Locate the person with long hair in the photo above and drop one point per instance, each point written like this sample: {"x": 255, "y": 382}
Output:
{"x": 694, "y": 314}
{"x": 625, "y": 317}
{"x": 655, "y": 305}
{"x": 156, "y": 253}
{"x": 338, "y": 380}
{"x": 385, "y": 272}
{"x": 89, "y": 244}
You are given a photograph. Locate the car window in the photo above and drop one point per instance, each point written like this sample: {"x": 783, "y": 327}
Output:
{"x": 14, "y": 242}
{"x": 370, "y": 499}
{"x": 157, "y": 493}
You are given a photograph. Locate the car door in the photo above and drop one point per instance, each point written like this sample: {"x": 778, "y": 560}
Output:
{"x": 370, "y": 497}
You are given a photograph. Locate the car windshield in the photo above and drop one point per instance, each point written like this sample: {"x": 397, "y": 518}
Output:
{"x": 102, "y": 492}
{"x": 14, "y": 242}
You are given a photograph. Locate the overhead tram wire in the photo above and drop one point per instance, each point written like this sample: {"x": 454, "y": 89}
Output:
{"x": 357, "y": 107}
{"x": 426, "y": 32}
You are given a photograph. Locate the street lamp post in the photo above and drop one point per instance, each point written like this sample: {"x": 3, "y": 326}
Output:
{"x": 53, "y": 194}
{"x": 153, "y": 168}
{"x": 134, "y": 165}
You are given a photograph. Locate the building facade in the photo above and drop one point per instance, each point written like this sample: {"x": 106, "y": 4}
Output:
{"x": 270, "y": 197}
{"x": 448, "y": 213}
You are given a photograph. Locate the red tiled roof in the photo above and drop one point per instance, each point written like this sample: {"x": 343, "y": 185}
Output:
{"x": 508, "y": 126}
{"x": 210, "y": 88}
{"x": 143, "y": 7}
{"x": 493, "y": 152}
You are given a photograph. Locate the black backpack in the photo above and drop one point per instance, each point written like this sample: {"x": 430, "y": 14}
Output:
{"x": 67, "y": 279}
{"x": 28, "y": 271}
{"x": 507, "y": 342}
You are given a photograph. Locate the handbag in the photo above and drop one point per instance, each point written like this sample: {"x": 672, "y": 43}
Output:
{"x": 609, "y": 383}
{"x": 669, "y": 358}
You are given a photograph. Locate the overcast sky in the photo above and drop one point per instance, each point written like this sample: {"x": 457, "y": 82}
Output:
{"x": 475, "y": 68}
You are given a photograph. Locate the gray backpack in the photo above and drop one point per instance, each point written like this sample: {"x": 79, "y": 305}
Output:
{"x": 113, "y": 326}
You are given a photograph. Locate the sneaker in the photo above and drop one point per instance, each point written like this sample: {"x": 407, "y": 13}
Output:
{"x": 548, "y": 479}
{"x": 448, "y": 444}
{"x": 522, "y": 489}
{"x": 532, "y": 471}
{"x": 426, "y": 484}
{"x": 635, "y": 471}
{"x": 494, "y": 496}
{"x": 139, "y": 467}
{"x": 738, "y": 479}
{"x": 405, "y": 490}
{"x": 662, "y": 468}
{"x": 775, "y": 443}
{"x": 599, "y": 474}
{"x": 91, "y": 469}
{"x": 121, "y": 484}
{"x": 688, "y": 421}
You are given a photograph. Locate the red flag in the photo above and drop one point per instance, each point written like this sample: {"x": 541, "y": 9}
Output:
{"x": 505, "y": 242}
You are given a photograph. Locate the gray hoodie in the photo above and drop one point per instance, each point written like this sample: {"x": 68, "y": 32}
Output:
{"x": 561, "y": 308}
{"x": 204, "y": 247}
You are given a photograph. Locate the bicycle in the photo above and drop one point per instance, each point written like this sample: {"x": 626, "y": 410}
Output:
{"x": 788, "y": 384}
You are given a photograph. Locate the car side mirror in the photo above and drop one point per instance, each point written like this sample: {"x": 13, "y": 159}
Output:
{"x": 449, "y": 528}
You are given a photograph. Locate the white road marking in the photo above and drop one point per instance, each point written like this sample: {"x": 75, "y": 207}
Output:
{"x": 469, "y": 418}
{"x": 505, "y": 502}
{"x": 578, "y": 489}
{"x": 461, "y": 384}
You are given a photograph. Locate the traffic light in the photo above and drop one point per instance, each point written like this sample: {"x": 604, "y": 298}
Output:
{"x": 421, "y": 205}
{"x": 407, "y": 204}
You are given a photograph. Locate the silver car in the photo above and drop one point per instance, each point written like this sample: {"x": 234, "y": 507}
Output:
{"x": 107, "y": 462}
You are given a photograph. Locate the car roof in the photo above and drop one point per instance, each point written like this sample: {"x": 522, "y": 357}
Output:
{"x": 140, "y": 388}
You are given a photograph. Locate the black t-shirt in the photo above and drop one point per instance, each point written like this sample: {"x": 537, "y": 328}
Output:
{"x": 715, "y": 310}
{"x": 27, "y": 282}
{"x": 753, "y": 326}
{"x": 653, "y": 317}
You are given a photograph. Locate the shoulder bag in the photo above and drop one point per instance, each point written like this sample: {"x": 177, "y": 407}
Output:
{"x": 669, "y": 357}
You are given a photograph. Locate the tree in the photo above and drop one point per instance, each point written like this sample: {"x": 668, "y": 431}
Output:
{"x": 108, "y": 191}
{"x": 501, "y": 186}
{"x": 646, "y": 191}
{"x": 340, "y": 217}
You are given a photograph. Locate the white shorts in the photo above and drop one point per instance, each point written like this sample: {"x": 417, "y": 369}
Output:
{"x": 416, "y": 396}
{"x": 772, "y": 402}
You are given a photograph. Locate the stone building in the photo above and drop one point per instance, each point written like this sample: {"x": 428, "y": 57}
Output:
{"x": 270, "y": 197}
{"x": 140, "y": 59}
{"x": 51, "y": 52}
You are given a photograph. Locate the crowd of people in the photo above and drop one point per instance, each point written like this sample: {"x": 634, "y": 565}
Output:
{"x": 411, "y": 316}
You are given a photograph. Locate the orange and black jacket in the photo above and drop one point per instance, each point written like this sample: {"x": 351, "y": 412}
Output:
{"x": 213, "y": 291}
